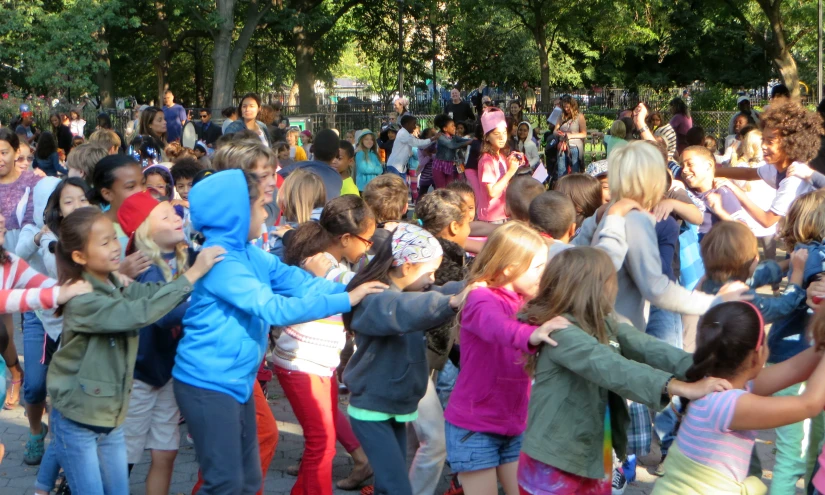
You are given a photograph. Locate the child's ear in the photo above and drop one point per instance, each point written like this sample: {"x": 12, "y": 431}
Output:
{"x": 107, "y": 194}
{"x": 572, "y": 230}
{"x": 406, "y": 207}
{"x": 79, "y": 258}
{"x": 453, "y": 228}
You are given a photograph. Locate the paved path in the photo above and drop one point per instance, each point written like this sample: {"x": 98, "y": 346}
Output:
{"x": 17, "y": 479}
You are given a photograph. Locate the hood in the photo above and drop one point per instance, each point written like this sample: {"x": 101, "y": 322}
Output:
{"x": 529, "y": 129}
{"x": 42, "y": 191}
{"x": 219, "y": 209}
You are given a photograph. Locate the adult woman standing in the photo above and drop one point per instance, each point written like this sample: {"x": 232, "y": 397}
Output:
{"x": 153, "y": 123}
{"x": 681, "y": 122}
{"x": 248, "y": 119}
{"x": 76, "y": 123}
{"x": 573, "y": 130}
{"x": 17, "y": 206}
{"x": 402, "y": 108}
{"x": 61, "y": 132}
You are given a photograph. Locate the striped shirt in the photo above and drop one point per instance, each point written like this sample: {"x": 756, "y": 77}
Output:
{"x": 705, "y": 435}
{"x": 22, "y": 288}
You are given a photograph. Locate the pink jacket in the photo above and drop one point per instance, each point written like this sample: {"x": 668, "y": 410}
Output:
{"x": 492, "y": 390}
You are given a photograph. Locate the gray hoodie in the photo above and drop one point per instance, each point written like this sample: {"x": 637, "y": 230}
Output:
{"x": 388, "y": 372}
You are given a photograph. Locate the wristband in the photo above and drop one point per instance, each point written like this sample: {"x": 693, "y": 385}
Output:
{"x": 644, "y": 129}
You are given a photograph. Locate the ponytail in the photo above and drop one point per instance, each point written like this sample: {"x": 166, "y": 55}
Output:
{"x": 309, "y": 239}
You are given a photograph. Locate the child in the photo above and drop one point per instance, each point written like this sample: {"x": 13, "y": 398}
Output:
{"x": 25, "y": 157}
{"x": 554, "y": 216}
{"x": 110, "y": 140}
{"x": 282, "y": 150}
{"x": 568, "y": 443}
{"x": 526, "y": 145}
{"x": 306, "y": 143}
{"x": 306, "y": 355}
{"x": 520, "y": 193}
{"x": 183, "y": 176}
{"x": 116, "y": 177}
{"x": 790, "y": 134}
{"x": 386, "y": 196}
{"x": 616, "y": 138}
{"x": 400, "y": 148}
{"x": 387, "y": 374}
{"x": 226, "y": 330}
{"x": 425, "y": 164}
{"x": 159, "y": 182}
{"x": 584, "y": 191}
{"x": 152, "y": 419}
{"x": 296, "y": 153}
{"x": 91, "y": 374}
{"x": 495, "y": 168}
{"x": 598, "y": 170}
{"x": 487, "y": 412}
{"x": 82, "y": 160}
{"x": 714, "y": 444}
{"x": 367, "y": 164}
{"x": 45, "y": 155}
{"x": 730, "y": 253}
{"x": 300, "y": 200}
{"x": 444, "y": 164}
{"x": 345, "y": 164}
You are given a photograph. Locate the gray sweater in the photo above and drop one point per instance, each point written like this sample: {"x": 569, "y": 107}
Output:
{"x": 640, "y": 276}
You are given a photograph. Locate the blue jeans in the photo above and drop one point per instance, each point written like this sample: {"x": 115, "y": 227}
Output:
{"x": 95, "y": 463}
{"x": 49, "y": 470}
{"x": 665, "y": 326}
{"x": 575, "y": 162}
{"x": 665, "y": 424}
{"x": 393, "y": 170}
{"x": 37, "y": 353}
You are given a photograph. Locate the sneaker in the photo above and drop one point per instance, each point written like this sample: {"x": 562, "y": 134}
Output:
{"x": 629, "y": 468}
{"x": 619, "y": 481}
{"x": 455, "y": 487}
{"x": 660, "y": 468}
{"x": 35, "y": 447}
{"x": 63, "y": 485}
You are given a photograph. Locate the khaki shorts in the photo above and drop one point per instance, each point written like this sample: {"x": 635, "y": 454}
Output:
{"x": 152, "y": 420}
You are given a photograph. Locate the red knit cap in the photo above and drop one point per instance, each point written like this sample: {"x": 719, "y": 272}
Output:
{"x": 133, "y": 212}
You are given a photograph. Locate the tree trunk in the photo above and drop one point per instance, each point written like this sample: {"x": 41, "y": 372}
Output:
{"x": 544, "y": 64}
{"x": 780, "y": 51}
{"x": 105, "y": 82}
{"x": 200, "y": 92}
{"x": 305, "y": 70}
{"x": 293, "y": 93}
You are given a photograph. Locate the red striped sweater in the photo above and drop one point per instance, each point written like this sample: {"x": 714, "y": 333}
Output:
{"x": 22, "y": 288}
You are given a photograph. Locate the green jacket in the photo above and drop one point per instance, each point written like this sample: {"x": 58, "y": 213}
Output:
{"x": 90, "y": 376}
{"x": 577, "y": 381}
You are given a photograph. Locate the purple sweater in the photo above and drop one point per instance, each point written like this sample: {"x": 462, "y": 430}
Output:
{"x": 492, "y": 390}
{"x": 11, "y": 195}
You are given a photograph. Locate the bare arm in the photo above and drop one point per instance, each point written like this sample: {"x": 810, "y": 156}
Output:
{"x": 762, "y": 217}
{"x": 738, "y": 173}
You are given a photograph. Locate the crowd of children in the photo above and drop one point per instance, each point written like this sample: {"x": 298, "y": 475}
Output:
{"x": 522, "y": 336}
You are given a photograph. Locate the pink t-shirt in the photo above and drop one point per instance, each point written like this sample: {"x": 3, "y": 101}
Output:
{"x": 490, "y": 170}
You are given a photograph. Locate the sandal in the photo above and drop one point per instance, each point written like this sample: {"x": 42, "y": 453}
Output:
{"x": 13, "y": 389}
{"x": 355, "y": 479}
{"x": 36, "y": 447}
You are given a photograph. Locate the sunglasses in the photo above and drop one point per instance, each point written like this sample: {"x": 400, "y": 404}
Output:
{"x": 203, "y": 115}
{"x": 29, "y": 159}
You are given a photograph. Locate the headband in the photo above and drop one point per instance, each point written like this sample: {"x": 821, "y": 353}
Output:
{"x": 761, "y": 324}
{"x": 412, "y": 244}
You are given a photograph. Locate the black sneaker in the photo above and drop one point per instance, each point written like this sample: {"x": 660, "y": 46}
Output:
{"x": 619, "y": 481}
{"x": 62, "y": 485}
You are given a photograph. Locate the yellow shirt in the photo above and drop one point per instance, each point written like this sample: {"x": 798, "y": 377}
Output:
{"x": 349, "y": 187}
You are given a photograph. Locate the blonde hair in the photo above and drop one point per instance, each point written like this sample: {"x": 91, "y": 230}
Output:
{"x": 83, "y": 158}
{"x": 512, "y": 245}
{"x": 365, "y": 133}
{"x": 105, "y": 137}
{"x": 145, "y": 244}
{"x": 750, "y": 150}
{"x": 728, "y": 251}
{"x": 618, "y": 129}
{"x": 637, "y": 172}
{"x": 580, "y": 282}
{"x": 301, "y": 192}
{"x": 244, "y": 154}
{"x": 805, "y": 222}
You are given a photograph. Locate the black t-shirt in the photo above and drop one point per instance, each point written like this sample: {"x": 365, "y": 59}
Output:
{"x": 461, "y": 112}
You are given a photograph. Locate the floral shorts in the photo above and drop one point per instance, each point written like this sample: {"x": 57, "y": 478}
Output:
{"x": 537, "y": 478}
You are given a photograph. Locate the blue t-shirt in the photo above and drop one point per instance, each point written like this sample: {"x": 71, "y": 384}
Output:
{"x": 331, "y": 178}
{"x": 729, "y": 202}
{"x": 667, "y": 236}
{"x": 174, "y": 116}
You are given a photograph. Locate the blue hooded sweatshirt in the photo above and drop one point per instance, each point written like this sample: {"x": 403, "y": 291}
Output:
{"x": 233, "y": 306}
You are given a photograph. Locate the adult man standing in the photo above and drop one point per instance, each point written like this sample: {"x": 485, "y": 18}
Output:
{"x": 26, "y": 127}
{"x": 458, "y": 109}
{"x": 207, "y": 131}
{"x": 175, "y": 116}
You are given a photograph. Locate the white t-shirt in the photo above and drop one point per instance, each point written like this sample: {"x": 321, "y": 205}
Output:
{"x": 787, "y": 189}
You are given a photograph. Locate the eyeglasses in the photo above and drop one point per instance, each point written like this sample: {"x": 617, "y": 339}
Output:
{"x": 203, "y": 115}
{"x": 29, "y": 159}
{"x": 365, "y": 241}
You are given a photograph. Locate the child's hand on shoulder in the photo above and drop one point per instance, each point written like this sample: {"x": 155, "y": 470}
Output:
{"x": 623, "y": 206}
{"x": 75, "y": 289}
{"x": 800, "y": 170}
{"x": 458, "y": 300}
{"x": 134, "y": 264}
{"x": 318, "y": 265}
{"x": 816, "y": 293}
{"x": 734, "y": 291}
{"x": 541, "y": 334}
{"x": 358, "y": 294}
{"x": 204, "y": 262}
{"x": 798, "y": 259}
{"x": 697, "y": 390}
{"x": 180, "y": 202}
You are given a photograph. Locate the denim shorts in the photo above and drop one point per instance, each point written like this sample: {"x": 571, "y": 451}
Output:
{"x": 473, "y": 451}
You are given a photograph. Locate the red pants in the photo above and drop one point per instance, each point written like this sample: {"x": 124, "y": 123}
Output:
{"x": 442, "y": 180}
{"x": 267, "y": 435}
{"x": 314, "y": 400}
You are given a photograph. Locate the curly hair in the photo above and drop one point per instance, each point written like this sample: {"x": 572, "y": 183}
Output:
{"x": 800, "y": 129}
